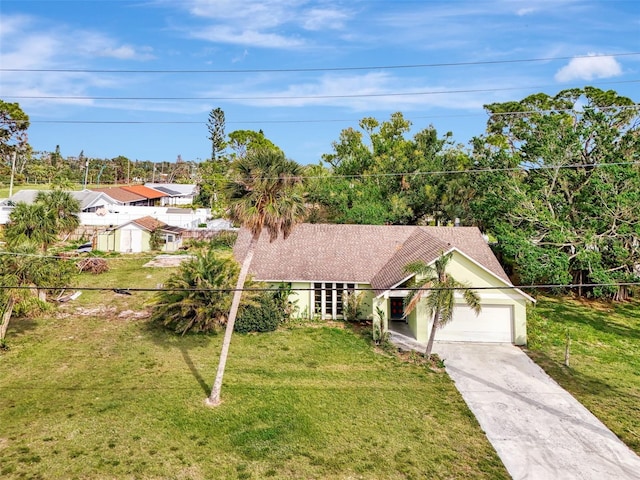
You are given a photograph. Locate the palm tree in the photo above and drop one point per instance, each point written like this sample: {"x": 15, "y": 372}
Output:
{"x": 263, "y": 194}
{"x": 23, "y": 267}
{"x": 434, "y": 283}
{"x": 52, "y": 213}
{"x": 32, "y": 223}
{"x": 63, "y": 207}
{"x": 197, "y": 296}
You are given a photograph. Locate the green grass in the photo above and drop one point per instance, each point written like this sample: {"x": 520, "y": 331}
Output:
{"x": 604, "y": 371}
{"x": 103, "y": 396}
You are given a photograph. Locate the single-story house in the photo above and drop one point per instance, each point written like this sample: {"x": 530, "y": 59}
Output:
{"x": 176, "y": 193}
{"x": 321, "y": 262}
{"x": 154, "y": 197}
{"x": 125, "y": 197}
{"x": 135, "y": 236}
{"x": 90, "y": 201}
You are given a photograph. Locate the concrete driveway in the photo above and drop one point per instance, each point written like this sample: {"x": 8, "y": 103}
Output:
{"x": 538, "y": 429}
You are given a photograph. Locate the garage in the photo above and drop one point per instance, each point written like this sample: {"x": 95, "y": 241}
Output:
{"x": 494, "y": 324}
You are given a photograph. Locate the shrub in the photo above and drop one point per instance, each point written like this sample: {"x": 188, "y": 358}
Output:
{"x": 351, "y": 303}
{"x": 224, "y": 239}
{"x": 197, "y": 297}
{"x": 262, "y": 316}
{"x": 380, "y": 335}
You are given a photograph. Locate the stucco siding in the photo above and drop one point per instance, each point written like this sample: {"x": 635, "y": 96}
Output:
{"x": 302, "y": 296}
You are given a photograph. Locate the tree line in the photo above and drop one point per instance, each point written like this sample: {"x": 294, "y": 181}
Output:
{"x": 553, "y": 182}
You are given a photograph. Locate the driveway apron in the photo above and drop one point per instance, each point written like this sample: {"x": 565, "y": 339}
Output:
{"x": 538, "y": 429}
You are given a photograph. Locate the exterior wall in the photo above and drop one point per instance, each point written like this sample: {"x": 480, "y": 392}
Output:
{"x": 111, "y": 241}
{"x": 132, "y": 239}
{"x": 121, "y": 214}
{"x": 106, "y": 241}
{"x": 367, "y": 309}
{"x": 302, "y": 297}
{"x": 419, "y": 324}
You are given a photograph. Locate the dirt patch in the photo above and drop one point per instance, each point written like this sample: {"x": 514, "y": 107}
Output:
{"x": 165, "y": 261}
{"x": 133, "y": 315}
{"x": 100, "y": 310}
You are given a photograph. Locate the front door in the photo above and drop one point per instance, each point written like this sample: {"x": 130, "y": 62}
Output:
{"x": 396, "y": 307}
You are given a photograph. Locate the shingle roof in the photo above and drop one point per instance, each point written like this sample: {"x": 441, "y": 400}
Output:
{"x": 143, "y": 191}
{"x": 374, "y": 254}
{"x": 149, "y": 223}
{"x": 419, "y": 246}
{"x": 119, "y": 194}
{"x": 85, "y": 197}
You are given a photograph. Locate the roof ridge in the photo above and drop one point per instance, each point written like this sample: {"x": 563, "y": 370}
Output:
{"x": 419, "y": 244}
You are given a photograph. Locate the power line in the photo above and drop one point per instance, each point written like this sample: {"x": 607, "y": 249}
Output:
{"x": 299, "y": 97}
{"x": 318, "y": 69}
{"x": 334, "y": 120}
{"x": 311, "y": 289}
{"x": 331, "y": 176}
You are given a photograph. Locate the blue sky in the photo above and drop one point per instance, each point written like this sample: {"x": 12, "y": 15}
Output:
{"x": 145, "y": 74}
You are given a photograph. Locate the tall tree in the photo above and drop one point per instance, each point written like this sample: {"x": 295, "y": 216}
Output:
{"x": 568, "y": 211}
{"x": 264, "y": 193}
{"x": 380, "y": 175}
{"x": 216, "y": 126}
{"x": 242, "y": 142}
{"x": 438, "y": 287}
{"x": 13, "y": 129}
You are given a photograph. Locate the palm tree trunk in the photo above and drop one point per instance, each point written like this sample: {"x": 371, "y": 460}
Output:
{"x": 214, "y": 399}
{"x": 432, "y": 335}
{"x": 6, "y": 316}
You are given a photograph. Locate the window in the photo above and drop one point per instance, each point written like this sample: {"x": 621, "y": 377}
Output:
{"x": 328, "y": 298}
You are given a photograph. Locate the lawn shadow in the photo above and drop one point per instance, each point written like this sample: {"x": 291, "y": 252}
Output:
{"x": 21, "y": 326}
{"x": 597, "y": 319}
{"x": 182, "y": 343}
{"x": 565, "y": 376}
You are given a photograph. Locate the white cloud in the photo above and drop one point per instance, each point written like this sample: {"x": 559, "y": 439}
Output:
{"x": 525, "y": 11}
{"x": 359, "y": 93}
{"x": 227, "y": 34}
{"x": 264, "y": 24}
{"x": 589, "y": 68}
{"x": 324, "y": 18}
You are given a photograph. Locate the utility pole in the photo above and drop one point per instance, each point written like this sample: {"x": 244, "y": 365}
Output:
{"x": 13, "y": 170}
{"x": 86, "y": 173}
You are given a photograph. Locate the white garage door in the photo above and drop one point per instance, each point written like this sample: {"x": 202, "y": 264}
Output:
{"x": 493, "y": 324}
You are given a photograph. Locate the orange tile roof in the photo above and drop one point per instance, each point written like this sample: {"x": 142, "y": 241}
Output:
{"x": 143, "y": 191}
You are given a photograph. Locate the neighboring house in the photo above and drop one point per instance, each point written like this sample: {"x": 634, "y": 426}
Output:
{"x": 321, "y": 262}
{"x": 176, "y": 193}
{"x": 135, "y": 236}
{"x": 124, "y": 197}
{"x": 90, "y": 201}
{"x": 154, "y": 197}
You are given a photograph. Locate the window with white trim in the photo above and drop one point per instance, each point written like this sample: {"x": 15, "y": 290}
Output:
{"x": 328, "y": 297}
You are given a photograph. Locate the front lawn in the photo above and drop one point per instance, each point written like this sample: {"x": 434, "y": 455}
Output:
{"x": 93, "y": 393}
{"x": 604, "y": 371}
